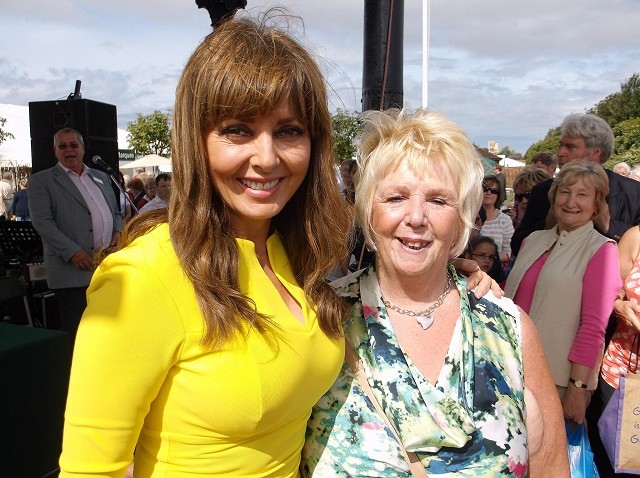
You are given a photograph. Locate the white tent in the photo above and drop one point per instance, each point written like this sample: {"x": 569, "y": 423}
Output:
{"x": 150, "y": 160}
{"x": 511, "y": 163}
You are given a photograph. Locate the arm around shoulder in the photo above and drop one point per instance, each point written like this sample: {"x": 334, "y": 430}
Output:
{"x": 545, "y": 422}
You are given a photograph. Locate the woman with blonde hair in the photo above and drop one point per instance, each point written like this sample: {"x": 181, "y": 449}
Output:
{"x": 457, "y": 384}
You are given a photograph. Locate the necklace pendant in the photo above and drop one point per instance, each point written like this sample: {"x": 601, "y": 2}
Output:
{"x": 425, "y": 321}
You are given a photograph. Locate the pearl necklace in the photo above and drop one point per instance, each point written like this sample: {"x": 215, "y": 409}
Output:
{"x": 423, "y": 317}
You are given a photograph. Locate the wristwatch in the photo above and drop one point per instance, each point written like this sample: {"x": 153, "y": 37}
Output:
{"x": 577, "y": 383}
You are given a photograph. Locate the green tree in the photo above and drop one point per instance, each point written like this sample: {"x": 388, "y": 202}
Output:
{"x": 620, "y": 106}
{"x": 507, "y": 151}
{"x": 549, "y": 143}
{"x": 627, "y": 148}
{"x": 4, "y": 135}
{"x": 345, "y": 127}
{"x": 150, "y": 134}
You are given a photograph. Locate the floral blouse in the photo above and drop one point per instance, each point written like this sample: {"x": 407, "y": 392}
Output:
{"x": 471, "y": 422}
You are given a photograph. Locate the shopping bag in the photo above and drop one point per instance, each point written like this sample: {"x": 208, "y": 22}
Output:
{"x": 580, "y": 454}
{"x": 619, "y": 426}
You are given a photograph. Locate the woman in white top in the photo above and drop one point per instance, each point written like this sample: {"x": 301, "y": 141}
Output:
{"x": 498, "y": 225}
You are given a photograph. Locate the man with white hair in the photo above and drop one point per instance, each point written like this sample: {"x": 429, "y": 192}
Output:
{"x": 623, "y": 169}
{"x": 584, "y": 137}
{"x": 75, "y": 211}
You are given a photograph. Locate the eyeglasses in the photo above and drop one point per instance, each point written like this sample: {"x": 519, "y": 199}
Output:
{"x": 490, "y": 190}
{"x": 520, "y": 196}
{"x": 483, "y": 256}
{"x": 70, "y": 145}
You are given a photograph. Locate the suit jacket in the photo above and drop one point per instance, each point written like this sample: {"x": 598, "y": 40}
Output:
{"x": 623, "y": 201}
{"x": 62, "y": 218}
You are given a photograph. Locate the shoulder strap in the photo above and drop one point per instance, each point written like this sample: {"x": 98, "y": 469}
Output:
{"x": 411, "y": 458}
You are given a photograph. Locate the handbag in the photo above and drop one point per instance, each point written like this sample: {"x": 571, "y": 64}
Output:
{"x": 619, "y": 426}
{"x": 410, "y": 457}
{"x": 580, "y": 454}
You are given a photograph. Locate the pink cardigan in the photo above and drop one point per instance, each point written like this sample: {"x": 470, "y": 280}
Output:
{"x": 600, "y": 286}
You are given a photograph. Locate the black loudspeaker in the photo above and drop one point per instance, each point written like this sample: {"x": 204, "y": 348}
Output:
{"x": 97, "y": 123}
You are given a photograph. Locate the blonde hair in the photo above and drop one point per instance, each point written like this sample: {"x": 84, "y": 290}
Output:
{"x": 426, "y": 140}
{"x": 529, "y": 177}
{"x": 590, "y": 172}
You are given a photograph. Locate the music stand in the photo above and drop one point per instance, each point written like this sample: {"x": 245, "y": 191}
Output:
{"x": 21, "y": 245}
{"x": 19, "y": 240}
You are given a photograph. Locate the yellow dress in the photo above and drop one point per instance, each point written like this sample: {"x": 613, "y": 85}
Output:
{"x": 141, "y": 379}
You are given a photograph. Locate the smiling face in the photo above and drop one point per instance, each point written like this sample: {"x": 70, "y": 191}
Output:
{"x": 414, "y": 221}
{"x": 257, "y": 164}
{"x": 69, "y": 151}
{"x": 575, "y": 205}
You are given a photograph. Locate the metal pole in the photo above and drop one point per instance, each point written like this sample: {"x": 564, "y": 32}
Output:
{"x": 426, "y": 36}
{"x": 382, "y": 85}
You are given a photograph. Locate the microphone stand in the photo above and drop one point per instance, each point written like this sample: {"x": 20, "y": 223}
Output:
{"x": 122, "y": 190}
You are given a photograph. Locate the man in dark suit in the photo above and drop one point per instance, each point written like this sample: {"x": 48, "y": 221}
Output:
{"x": 584, "y": 136}
{"x": 74, "y": 210}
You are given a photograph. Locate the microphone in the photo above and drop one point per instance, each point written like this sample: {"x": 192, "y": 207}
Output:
{"x": 101, "y": 162}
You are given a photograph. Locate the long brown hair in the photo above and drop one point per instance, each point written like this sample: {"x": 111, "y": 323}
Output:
{"x": 246, "y": 68}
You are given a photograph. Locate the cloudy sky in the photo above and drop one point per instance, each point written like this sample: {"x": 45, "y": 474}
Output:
{"x": 505, "y": 70}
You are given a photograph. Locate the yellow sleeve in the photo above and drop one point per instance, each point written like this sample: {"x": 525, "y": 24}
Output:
{"x": 130, "y": 336}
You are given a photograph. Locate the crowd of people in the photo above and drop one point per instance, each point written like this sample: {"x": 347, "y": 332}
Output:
{"x": 250, "y": 362}
{"x": 568, "y": 272}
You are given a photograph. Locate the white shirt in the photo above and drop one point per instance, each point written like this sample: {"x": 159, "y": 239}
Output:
{"x": 101, "y": 216}
{"x": 155, "y": 203}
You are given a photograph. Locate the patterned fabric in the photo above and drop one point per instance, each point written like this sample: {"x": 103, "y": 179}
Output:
{"x": 471, "y": 422}
{"x": 619, "y": 352}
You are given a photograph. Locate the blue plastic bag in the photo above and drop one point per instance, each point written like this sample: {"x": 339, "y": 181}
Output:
{"x": 580, "y": 454}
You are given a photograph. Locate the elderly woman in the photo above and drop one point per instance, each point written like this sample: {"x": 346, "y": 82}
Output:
{"x": 567, "y": 279}
{"x": 450, "y": 371}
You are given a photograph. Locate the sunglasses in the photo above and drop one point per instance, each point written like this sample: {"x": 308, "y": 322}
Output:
{"x": 520, "y": 196}
{"x": 65, "y": 145}
{"x": 490, "y": 190}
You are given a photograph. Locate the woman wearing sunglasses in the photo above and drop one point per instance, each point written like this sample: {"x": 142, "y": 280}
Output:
{"x": 498, "y": 225}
